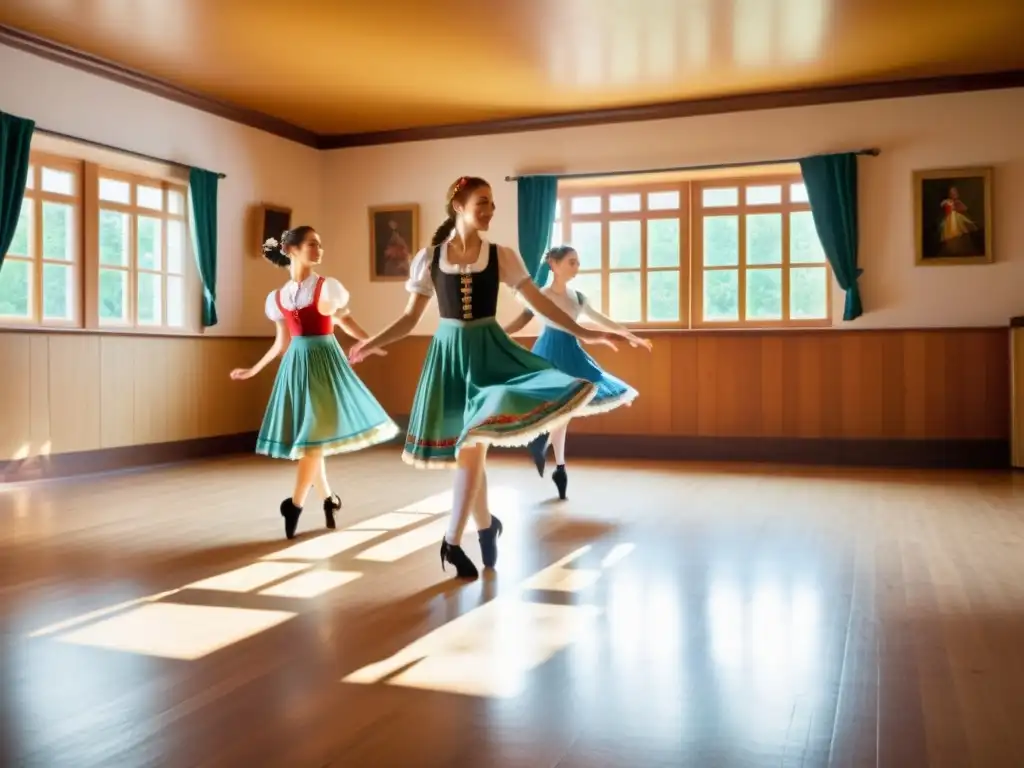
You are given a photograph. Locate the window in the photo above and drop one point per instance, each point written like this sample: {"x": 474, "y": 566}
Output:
{"x": 630, "y": 243}
{"x": 41, "y": 275}
{"x": 757, "y": 258}
{"x": 682, "y": 253}
{"x": 141, "y": 252}
{"x": 98, "y": 248}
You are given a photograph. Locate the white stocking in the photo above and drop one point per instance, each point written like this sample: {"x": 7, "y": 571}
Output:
{"x": 558, "y": 443}
{"x": 468, "y": 477}
{"x": 481, "y": 509}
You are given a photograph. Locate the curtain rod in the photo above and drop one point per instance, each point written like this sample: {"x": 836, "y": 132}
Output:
{"x": 140, "y": 155}
{"x": 873, "y": 152}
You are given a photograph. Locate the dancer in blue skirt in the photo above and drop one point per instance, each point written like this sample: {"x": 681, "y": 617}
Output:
{"x": 563, "y": 350}
{"x": 477, "y": 387}
{"x": 318, "y": 406}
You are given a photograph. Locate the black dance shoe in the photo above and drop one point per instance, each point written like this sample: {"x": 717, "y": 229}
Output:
{"x": 489, "y": 542}
{"x": 538, "y": 450}
{"x": 290, "y": 513}
{"x": 464, "y": 568}
{"x": 561, "y": 480}
{"x": 331, "y": 505}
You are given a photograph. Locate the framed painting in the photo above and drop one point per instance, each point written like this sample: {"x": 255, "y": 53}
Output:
{"x": 394, "y": 240}
{"x": 953, "y": 216}
{"x": 273, "y": 221}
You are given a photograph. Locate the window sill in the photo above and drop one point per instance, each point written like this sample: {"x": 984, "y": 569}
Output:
{"x": 67, "y": 330}
{"x": 652, "y": 331}
{"x": 787, "y": 325}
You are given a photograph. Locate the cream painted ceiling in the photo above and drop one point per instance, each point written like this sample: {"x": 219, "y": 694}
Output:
{"x": 346, "y": 66}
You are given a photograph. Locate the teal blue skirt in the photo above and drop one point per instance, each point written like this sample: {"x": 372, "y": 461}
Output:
{"x": 564, "y": 351}
{"x": 478, "y": 386}
{"x": 319, "y": 404}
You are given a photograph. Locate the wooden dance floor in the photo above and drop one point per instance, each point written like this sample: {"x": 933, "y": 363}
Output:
{"x": 665, "y": 615}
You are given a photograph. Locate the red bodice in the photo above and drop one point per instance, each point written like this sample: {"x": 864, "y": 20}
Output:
{"x": 307, "y": 321}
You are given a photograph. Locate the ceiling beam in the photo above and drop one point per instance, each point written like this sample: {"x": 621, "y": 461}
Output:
{"x": 94, "y": 65}
{"x": 752, "y": 102}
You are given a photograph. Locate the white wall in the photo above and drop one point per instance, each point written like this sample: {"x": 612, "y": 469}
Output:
{"x": 332, "y": 190}
{"x": 918, "y": 133}
{"x": 260, "y": 167}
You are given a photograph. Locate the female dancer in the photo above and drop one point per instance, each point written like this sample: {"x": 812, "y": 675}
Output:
{"x": 478, "y": 387}
{"x": 318, "y": 406}
{"x": 563, "y": 350}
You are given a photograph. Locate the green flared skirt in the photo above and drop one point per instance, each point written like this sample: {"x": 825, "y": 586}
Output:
{"x": 318, "y": 403}
{"x": 479, "y": 386}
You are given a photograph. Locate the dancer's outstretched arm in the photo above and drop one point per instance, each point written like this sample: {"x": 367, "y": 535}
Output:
{"x": 621, "y": 330}
{"x": 399, "y": 329}
{"x": 352, "y": 329}
{"x": 334, "y": 301}
{"x": 545, "y": 306}
{"x": 519, "y": 323}
{"x": 281, "y": 341}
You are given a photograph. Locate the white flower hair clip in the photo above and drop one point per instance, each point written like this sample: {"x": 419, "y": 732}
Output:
{"x": 270, "y": 243}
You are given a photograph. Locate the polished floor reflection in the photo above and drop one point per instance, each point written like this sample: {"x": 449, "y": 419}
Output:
{"x": 666, "y": 615}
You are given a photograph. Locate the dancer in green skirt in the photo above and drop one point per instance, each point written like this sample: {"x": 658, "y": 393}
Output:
{"x": 478, "y": 387}
{"x": 318, "y": 406}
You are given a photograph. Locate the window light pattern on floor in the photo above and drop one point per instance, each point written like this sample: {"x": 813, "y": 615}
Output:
{"x": 155, "y": 625}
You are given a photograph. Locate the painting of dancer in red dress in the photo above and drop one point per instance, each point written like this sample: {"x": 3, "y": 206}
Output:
{"x": 954, "y": 220}
{"x": 394, "y": 238}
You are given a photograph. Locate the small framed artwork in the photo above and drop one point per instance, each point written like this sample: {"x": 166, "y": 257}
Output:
{"x": 273, "y": 221}
{"x": 394, "y": 240}
{"x": 953, "y": 216}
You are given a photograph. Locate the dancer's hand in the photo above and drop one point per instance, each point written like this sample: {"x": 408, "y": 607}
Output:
{"x": 599, "y": 337}
{"x": 356, "y": 353}
{"x": 361, "y": 350}
{"x": 240, "y": 374}
{"x": 636, "y": 341}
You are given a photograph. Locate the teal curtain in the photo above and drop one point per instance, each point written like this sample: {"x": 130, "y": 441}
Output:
{"x": 15, "y": 145}
{"x": 202, "y": 187}
{"x": 831, "y": 182}
{"x": 538, "y": 196}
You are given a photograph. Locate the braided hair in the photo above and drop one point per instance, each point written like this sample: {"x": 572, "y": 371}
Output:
{"x": 460, "y": 190}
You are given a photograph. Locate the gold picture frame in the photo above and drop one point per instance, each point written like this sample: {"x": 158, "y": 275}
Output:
{"x": 271, "y": 221}
{"x": 394, "y": 241}
{"x": 953, "y": 216}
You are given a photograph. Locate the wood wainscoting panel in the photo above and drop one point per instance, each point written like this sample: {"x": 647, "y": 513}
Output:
{"x": 117, "y": 392}
{"x": 938, "y": 385}
{"x": 1017, "y": 388}
{"x": 73, "y": 373}
{"x": 75, "y": 393}
{"x": 902, "y": 396}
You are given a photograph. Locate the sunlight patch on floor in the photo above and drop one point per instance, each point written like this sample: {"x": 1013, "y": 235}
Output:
{"x": 311, "y": 584}
{"x": 389, "y": 521}
{"x": 99, "y": 612}
{"x": 485, "y": 652}
{"x": 325, "y": 546}
{"x": 176, "y": 631}
{"x": 489, "y": 650}
{"x": 401, "y": 546}
{"x": 563, "y": 579}
{"x": 150, "y": 625}
{"x": 432, "y": 505}
{"x": 619, "y": 552}
{"x": 249, "y": 577}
